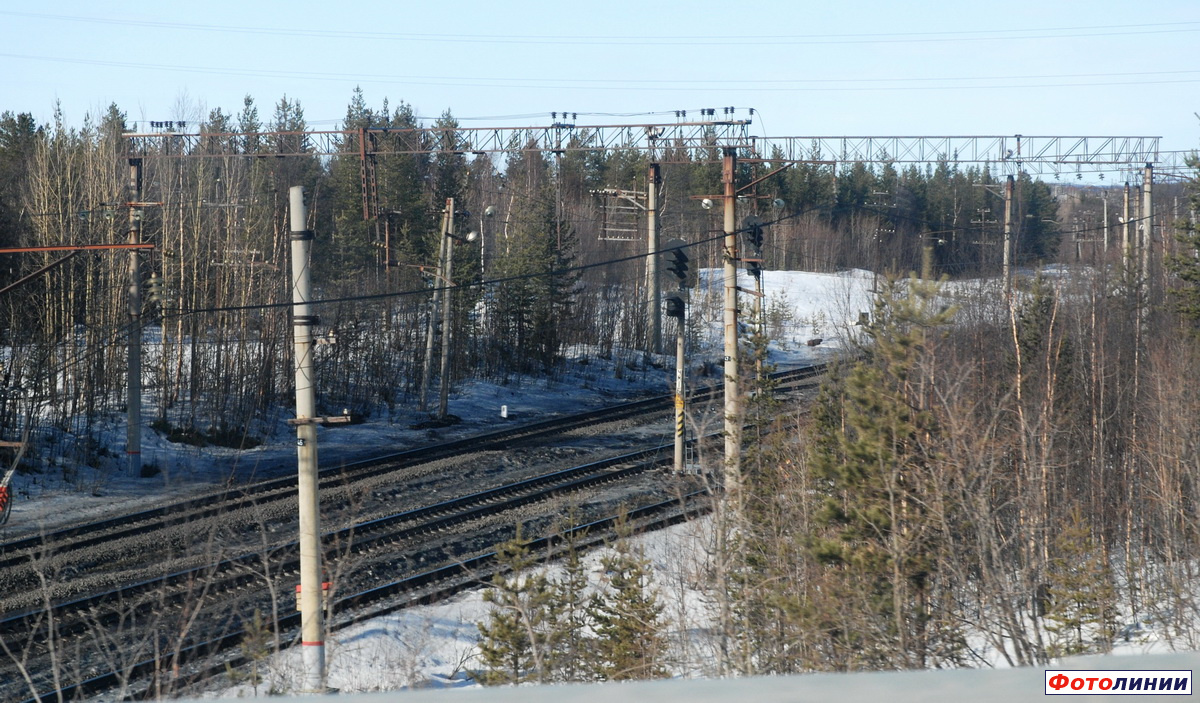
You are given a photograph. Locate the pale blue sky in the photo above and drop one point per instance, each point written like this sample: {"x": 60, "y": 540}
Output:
{"x": 834, "y": 68}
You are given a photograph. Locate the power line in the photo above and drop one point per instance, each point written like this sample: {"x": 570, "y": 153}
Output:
{"x": 479, "y": 284}
{"x": 968, "y": 35}
{"x": 895, "y": 83}
{"x": 423, "y": 291}
{"x": 572, "y": 269}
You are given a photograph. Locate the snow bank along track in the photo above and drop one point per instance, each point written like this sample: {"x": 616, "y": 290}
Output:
{"x": 413, "y": 533}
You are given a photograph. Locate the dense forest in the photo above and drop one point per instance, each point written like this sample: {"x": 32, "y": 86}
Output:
{"x": 1024, "y": 470}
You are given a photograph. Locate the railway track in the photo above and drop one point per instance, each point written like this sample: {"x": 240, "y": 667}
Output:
{"x": 230, "y": 575}
{"x": 211, "y": 658}
{"x": 81, "y": 538}
{"x": 29, "y": 631}
{"x": 229, "y": 581}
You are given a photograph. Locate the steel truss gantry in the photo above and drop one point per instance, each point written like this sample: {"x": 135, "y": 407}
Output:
{"x": 1007, "y": 154}
{"x": 679, "y": 141}
{"x": 559, "y": 137}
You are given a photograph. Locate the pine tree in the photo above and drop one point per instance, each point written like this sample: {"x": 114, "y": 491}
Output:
{"x": 873, "y": 455}
{"x": 256, "y": 646}
{"x": 1186, "y": 264}
{"x": 516, "y": 639}
{"x": 571, "y": 652}
{"x": 1082, "y": 613}
{"x": 19, "y": 137}
{"x": 1037, "y": 211}
{"x": 629, "y": 637}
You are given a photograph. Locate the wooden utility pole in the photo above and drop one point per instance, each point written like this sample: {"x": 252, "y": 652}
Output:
{"x": 133, "y": 393}
{"x": 733, "y": 407}
{"x": 312, "y": 635}
{"x": 653, "y": 288}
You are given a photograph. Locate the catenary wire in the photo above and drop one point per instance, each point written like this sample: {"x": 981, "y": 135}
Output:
{"x": 739, "y": 85}
{"x": 620, "y": 40}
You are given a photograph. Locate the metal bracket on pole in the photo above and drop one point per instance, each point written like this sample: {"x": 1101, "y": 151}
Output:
{"x": 322, "y": 420}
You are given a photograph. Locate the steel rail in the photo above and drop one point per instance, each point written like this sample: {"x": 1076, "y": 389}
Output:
{"x": 439, "y": 516}
{"x": 233, "y": 574}
{"x": 81, "y": 537}
{"x": 425, "y": 587}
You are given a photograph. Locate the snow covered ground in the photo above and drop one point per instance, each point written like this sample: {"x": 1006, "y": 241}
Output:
{"x": 435, "y": 646}
{"x": 808, "y": 305}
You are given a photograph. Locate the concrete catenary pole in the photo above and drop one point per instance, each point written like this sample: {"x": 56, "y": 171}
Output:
{"x": 1147, "y": 228}
{"x": 312, "y": 636}
{"x": 435, "y": 310}
{"x": 733, "y": 411}
{"x": 1125, "y": 244}
{"x": 133, "y": 393}
{"x": 1104, "y": 196}
{"x": 653, "y": 288}
{"x": 1008, "y": 212}
{"x": 448, "y": 272}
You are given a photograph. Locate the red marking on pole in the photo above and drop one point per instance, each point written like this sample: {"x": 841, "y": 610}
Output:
{"x": 313, "y": 644}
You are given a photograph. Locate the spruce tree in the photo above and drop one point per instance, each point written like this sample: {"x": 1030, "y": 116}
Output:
{"x": 532, "y": 315}
{"x": 571, "y": 646}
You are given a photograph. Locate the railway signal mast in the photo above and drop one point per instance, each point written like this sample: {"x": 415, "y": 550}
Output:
{"x": 677, "y": 308}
